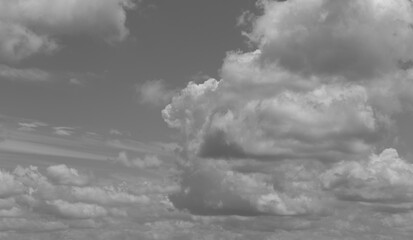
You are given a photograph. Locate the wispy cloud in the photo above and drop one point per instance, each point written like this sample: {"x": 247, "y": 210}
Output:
{"x": 155, "y": 93}
{"x": 25, "y": 75}
{"x": 64, "y": 131}
{"x": 30, "y": 126}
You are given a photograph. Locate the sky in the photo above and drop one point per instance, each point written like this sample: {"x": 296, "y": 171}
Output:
{"x": 191, "y": 119}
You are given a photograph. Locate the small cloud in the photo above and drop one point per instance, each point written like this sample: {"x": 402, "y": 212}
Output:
{"x": 33, "y": 75}
{"x": 64, "y": 175}
{"x": 75, "y": 81}
{"x": 148, "y": 161}
{"x": 155, "y": 93}
{"x": 25, "y": 126}
{"x": 63, "y": 131}
{"x": 115, "y": 132}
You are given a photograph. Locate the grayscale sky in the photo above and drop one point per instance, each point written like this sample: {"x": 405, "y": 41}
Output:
{"x": 206, "y": 119}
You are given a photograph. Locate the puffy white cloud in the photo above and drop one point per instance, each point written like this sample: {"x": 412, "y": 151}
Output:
{"x": 355, "y": 38}
{"x": 29, "y": 27}
{"x": 67, "y": 176}
{"x": 302, "y": 93}
{"x": 382, "y": 178}
{"x": 331, "y": 121}
{"x": 9, "y": 185}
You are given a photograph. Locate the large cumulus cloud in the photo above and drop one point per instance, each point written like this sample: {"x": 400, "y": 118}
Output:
{"x": 322, "y": 86}
{"x": 31, "y": 26}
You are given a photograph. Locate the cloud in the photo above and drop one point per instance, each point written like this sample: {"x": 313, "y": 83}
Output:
{"x": 63, "y": 131}
{"x": 382, "y": 178}
{"x": 357, "y": 39}
{"x": 329, "y": 122}
{"x": 9, "y": 185}
{"x": 48, "y": 149}
{"x": 19, "y": 42}
{"x": 107, "y": 196}
{"x": 148, "y": 161}
{"x": 60, "y": 199}
{"x": 214, "y": 189}
{"x": 155, "y": 93}
{"x": 292, "y": 128}
{"x": 115, "y": 132}
{"x": 76, "y": 210}
{"x": 75, "y": 81}
{"x": 25, "y": 75}
{"x": 30, "y": 126}
{"x": 304, "y": 92}
{"x": 32, "y": 27}
{"x": 67, "y": 176}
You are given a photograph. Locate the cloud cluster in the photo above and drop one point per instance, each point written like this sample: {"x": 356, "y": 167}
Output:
{"x": 383, "y": 178}
{"x": 30, "y": 27}
{"x": 58, "y": 198}
{"x": 216, "y": 189}
{"x": 321, "y": 88}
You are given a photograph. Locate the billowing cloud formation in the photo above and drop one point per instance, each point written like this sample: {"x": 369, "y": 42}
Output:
{"x": 29, "y": 27}
{"x": 327, "y": 122}
{"x": 322, "y": 87}
{"x": 290, "y": 99}
{"x": 383, "y": 178}
{"x": 216, "y": 189}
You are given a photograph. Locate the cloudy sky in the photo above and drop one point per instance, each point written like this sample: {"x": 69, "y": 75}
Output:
{"x": 195, "y": 119}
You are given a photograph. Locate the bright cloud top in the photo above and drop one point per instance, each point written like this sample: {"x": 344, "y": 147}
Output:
{"x": 29, "y": 27}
